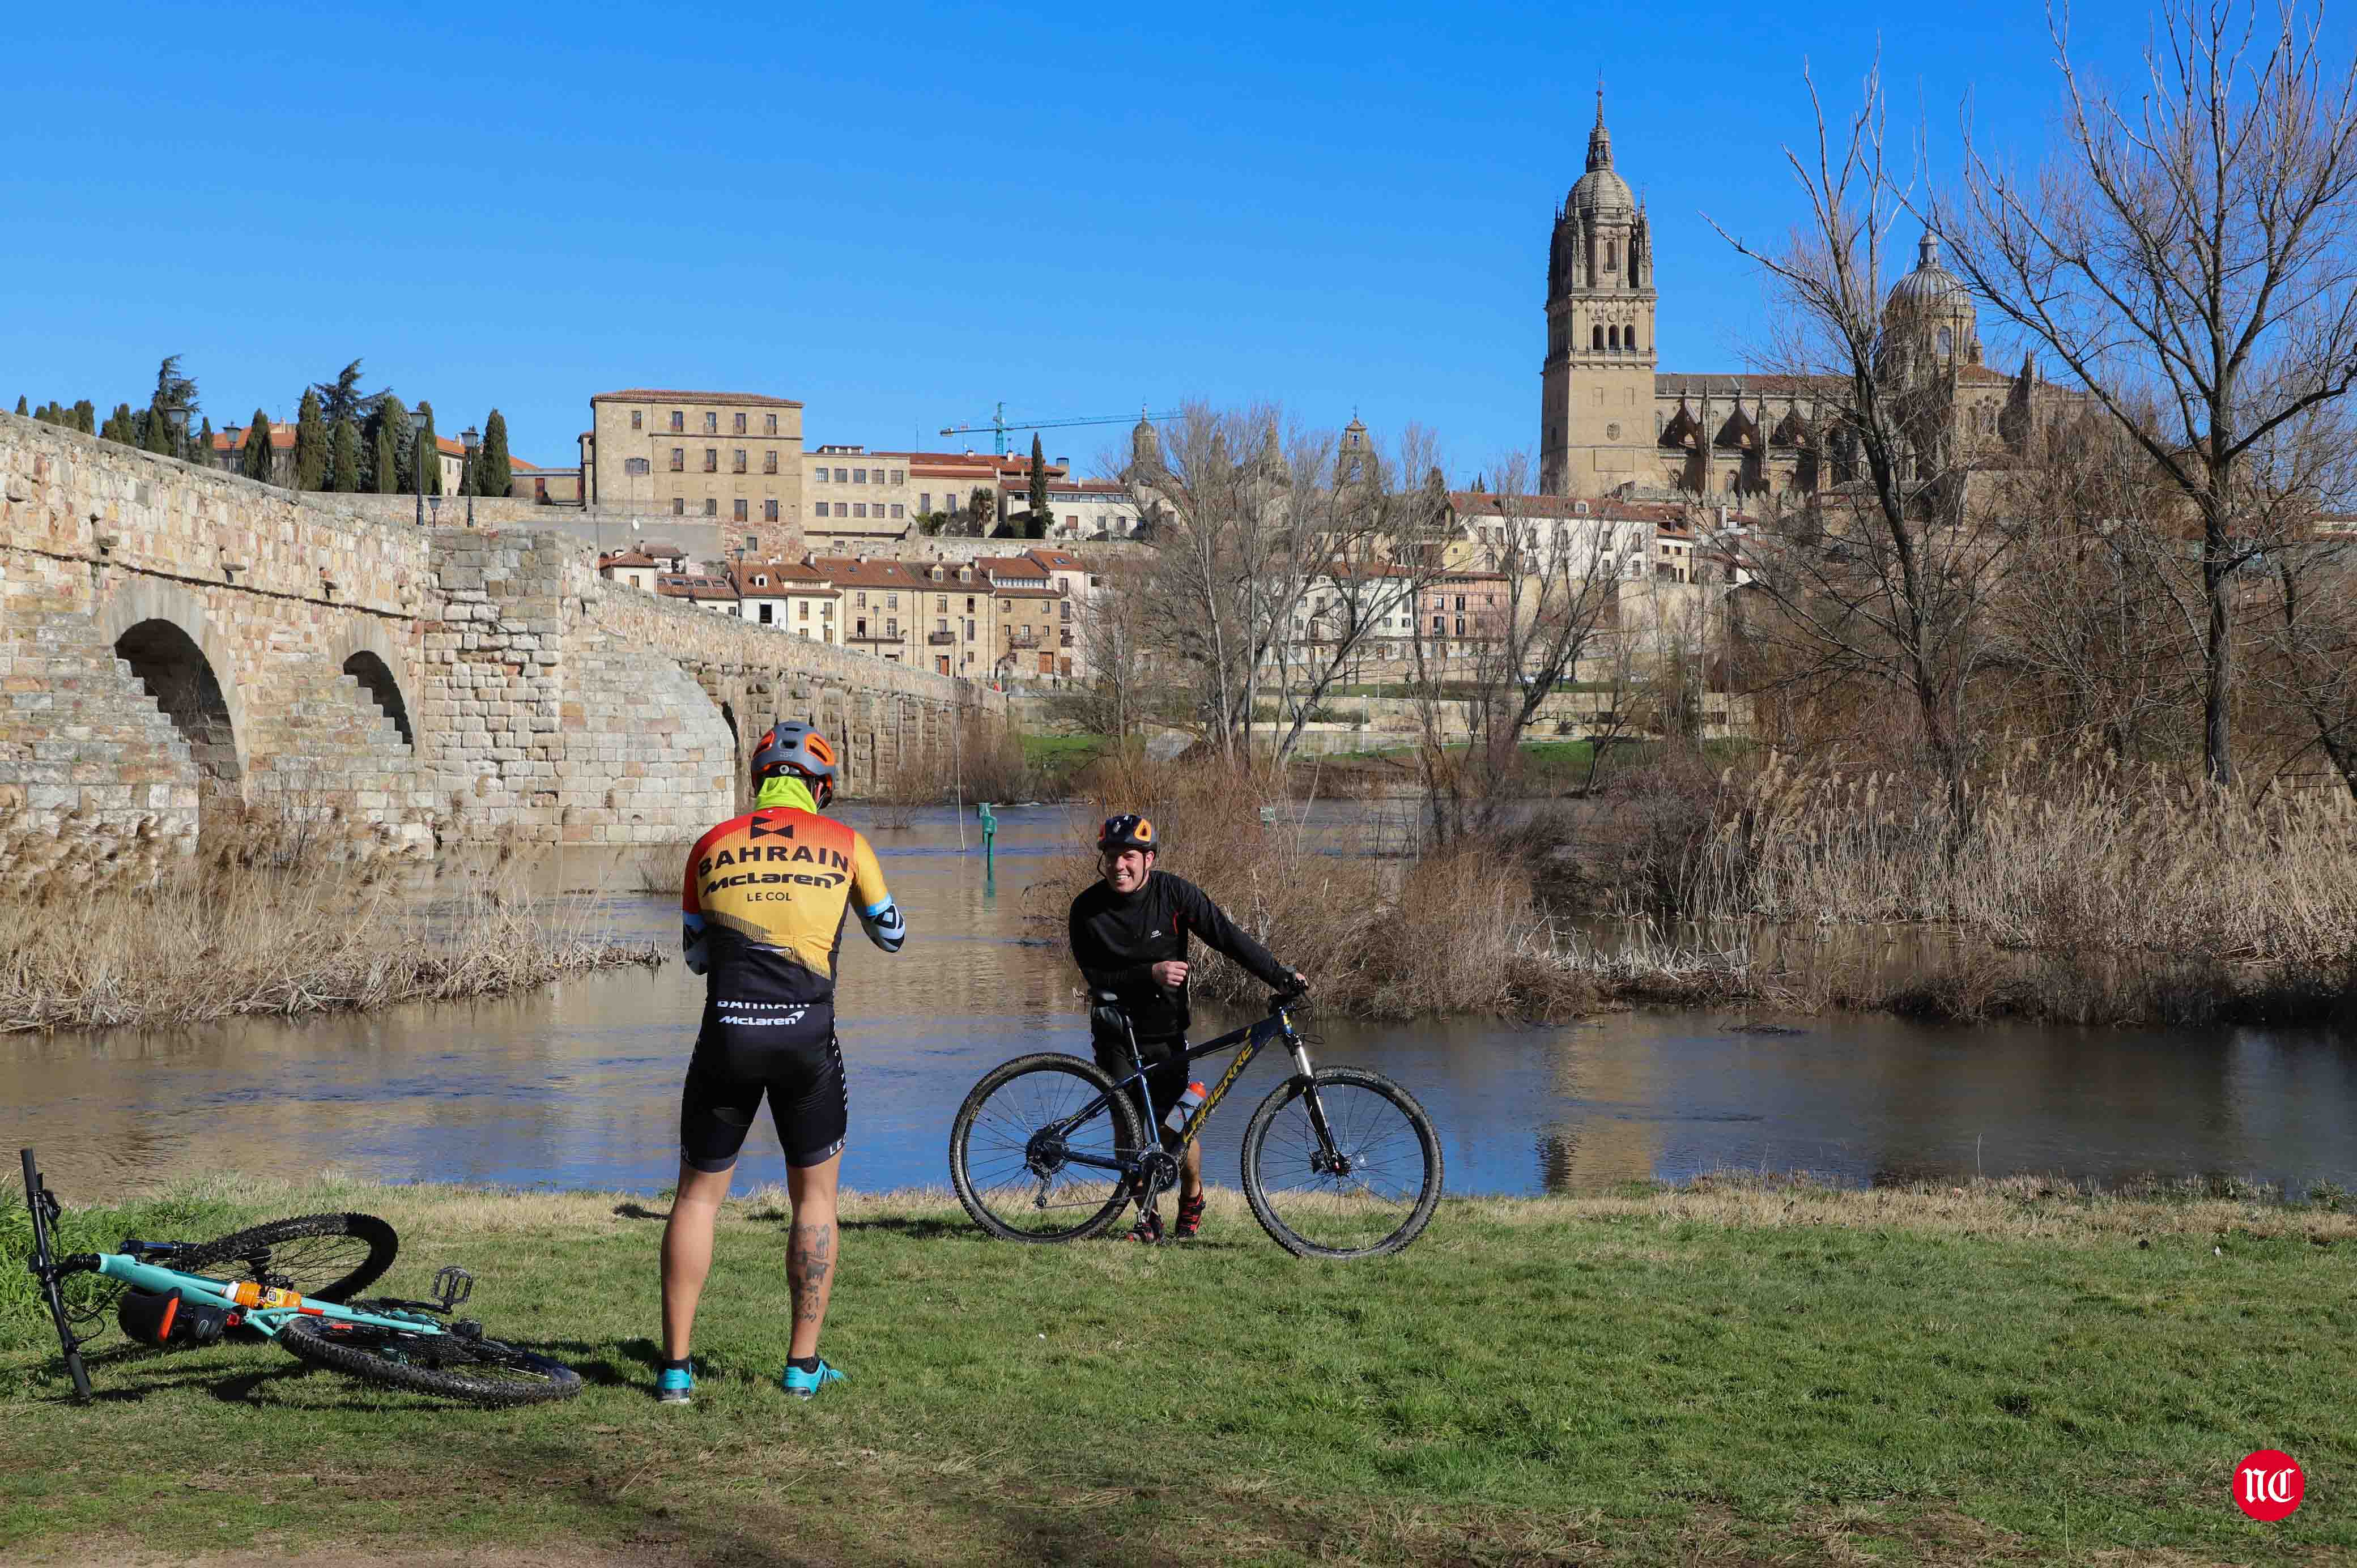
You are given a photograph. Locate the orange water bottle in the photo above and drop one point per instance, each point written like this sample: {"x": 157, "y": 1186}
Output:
{"x": 245, "y": 1293}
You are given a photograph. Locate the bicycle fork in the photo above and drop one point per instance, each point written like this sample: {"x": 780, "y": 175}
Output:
{"x": 1327, "y": 1160}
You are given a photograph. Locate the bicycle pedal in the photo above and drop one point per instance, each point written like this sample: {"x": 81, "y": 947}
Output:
{"x": 452, "y": 1285}
{"x": 466, "y": 1328}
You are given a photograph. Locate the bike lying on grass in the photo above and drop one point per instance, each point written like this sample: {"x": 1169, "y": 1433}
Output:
{"x": 1337, "y": 1162}
{"x": 291, "y": 1281}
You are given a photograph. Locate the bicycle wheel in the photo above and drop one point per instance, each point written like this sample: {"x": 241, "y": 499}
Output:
{"x": 478, "y": 1371}
{"x": 324, "y": 1257}
{"x": 1011, "y": 1148}
{"x": 1372, "y": 1195}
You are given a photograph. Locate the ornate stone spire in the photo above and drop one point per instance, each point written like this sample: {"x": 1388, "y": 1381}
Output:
{"x": 1599, "y": 140}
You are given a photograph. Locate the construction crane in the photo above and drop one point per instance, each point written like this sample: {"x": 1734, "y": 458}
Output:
{"x": 999, "y": 424}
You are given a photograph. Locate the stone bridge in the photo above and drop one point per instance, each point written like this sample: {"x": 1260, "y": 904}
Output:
{"x": 173, "y": 639}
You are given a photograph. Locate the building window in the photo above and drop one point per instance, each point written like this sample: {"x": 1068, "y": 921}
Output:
{"x": 896, "y": 512}
{"x": 1596, "y": 337}
{"x": 842, "y": 475}
{"x": 858, "y": 475}
{"x": 891, "y": 626}
{"x": 969, "y": 603}
{"x": 678, "y": 460}
{"x": 712, "y": 506}
{"x": 899, "y": 475}
{"x": 769, "y": 510}
{"x": 859, "y": 509}
{"x": 711, "y": 422}
{"x": 679, "y": 506}
{"x": 637, "y": 465}
{"x": 739, "y": 428}
{"x": 969, "y": 631}
{"x": 751, "y": 542}
{"x": 739, "y": 511}
{"x": 802, "y": 611}
{"x": 766, "y": 617}
{"x": 891, "y": 601}
{"x": 769, "y": 462}
{"x": 772, "y": 424}
{"x": 738, "y": 460}
{"x": 678, "y": 420}
{"x": 712, "y": 460}
{"x": 638, "y": 419}
{"x": 924, "y": 502}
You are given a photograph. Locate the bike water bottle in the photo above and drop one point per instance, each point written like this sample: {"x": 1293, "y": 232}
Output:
{"x": 1176, "y": 1120}
{"x": 245, "y": 1293}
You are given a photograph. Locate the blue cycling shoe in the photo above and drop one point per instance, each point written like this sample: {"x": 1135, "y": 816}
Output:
{"x": 675, "y": 1387}
{"x": 806, "y": 1385}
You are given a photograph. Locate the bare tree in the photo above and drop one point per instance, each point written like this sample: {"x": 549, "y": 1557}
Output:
{"x": 1883, "y": 585}
{"x": 2190, "y": 251}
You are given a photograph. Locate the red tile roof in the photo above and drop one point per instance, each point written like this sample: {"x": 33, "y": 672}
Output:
{"x": 852, "y": 573}
{"x": 662, "y": 394}
{"x": 682, "y": 587}
{"x": 625, "y": 558}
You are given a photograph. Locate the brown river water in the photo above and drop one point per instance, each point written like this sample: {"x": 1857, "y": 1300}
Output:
{"x": 577, "y": 1086}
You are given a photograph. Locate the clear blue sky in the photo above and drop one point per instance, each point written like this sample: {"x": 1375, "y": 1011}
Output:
{"x": 902, "y": 214}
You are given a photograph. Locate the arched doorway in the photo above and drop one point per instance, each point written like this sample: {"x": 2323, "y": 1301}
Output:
{"x": 376, "y": 679}
{"x": 181, "y": 679}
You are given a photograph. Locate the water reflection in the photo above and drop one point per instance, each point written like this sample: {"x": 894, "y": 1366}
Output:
{"x": 578, "y": 1085}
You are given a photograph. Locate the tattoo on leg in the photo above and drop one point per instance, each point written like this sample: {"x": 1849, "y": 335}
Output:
{"x": 810, "y": 1256}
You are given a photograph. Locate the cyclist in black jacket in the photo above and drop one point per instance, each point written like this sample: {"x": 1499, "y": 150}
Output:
{"x": 1129, "y": 933}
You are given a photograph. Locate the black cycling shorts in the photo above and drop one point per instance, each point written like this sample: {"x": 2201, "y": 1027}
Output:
{"x": 794, "y": 1062}
{"x": 1166, "y": 1069}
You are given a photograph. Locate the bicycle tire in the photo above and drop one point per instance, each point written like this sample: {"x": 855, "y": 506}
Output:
{"x": 1354, "y": 1213}
{"x": 298, "y": 1254}
{"x": 476, "y": 1371}
{"x": 1005, "y": 1166}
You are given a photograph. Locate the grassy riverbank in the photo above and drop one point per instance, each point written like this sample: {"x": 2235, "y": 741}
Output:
{"x": 268, "y": 919}
{"x": 1733, "y": 1373}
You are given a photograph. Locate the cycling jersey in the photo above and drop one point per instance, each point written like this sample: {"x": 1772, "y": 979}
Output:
{"x": 762, "y": 909}
{"x": 1118, "y": 940}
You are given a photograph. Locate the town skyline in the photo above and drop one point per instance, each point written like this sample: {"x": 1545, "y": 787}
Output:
{"x": 837, "y": 242}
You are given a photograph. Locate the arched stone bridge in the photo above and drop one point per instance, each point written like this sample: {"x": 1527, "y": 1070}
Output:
{"x": 172, "y": 635}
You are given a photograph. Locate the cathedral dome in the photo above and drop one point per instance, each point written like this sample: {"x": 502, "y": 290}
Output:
{"x": 1600, "y": 190}
{"x": 1931, "y": 286}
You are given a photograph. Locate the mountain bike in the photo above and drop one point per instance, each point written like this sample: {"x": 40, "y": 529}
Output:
{"x": 292, "y": 1281}
{"x": 1337, "y": 1162}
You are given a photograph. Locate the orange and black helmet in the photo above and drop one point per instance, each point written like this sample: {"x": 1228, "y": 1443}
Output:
{"x": 794, "y": 747}
{"x": 1128, "y": 830}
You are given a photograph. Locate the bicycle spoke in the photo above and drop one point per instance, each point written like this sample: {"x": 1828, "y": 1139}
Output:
{"x": 1028, "y": 1183}
{"x": 1355, "y": 1190}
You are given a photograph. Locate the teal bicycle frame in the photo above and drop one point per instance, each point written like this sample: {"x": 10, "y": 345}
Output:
{"x": 259, "y": 1316}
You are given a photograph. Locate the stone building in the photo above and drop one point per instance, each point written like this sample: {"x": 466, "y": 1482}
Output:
{"x": 1612, "y": 423}
{"x": 735, "y": 458}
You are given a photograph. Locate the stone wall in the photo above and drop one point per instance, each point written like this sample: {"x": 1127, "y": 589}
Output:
{"x": 171, "y": 634}
{"x": 441, "y": 511}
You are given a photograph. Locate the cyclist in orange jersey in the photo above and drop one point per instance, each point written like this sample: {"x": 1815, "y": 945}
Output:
{"x": 761, "y": 911}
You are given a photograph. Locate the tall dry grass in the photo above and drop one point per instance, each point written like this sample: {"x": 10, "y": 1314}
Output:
{"x": 108, "y": 930}
{"x": 2087, "y": 892}
{"x": 1458, "y": 930}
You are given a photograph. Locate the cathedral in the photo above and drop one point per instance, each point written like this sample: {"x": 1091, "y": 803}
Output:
{"x": 1612, "y": 423}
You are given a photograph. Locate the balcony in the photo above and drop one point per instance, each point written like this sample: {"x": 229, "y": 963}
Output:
{"x": 1022, "y": 637}
{"x": 892, "y": 637}
{"x": 941, "y": 638}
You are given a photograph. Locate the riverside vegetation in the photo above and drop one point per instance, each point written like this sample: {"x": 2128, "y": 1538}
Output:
{"x": 273, "y": 916}
{"x": 1735, "y": 1371}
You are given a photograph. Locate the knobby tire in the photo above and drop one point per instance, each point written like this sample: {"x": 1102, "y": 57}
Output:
{"x": 991, "y": 1133}
{"x": 301, "y": 1254}
{"x": 1312, "y": 1214}
{"x": 478, "y": 1371}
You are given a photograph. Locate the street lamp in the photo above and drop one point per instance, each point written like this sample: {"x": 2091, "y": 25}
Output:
{"x": 178, "y": 419}
{"x": 472, "y": 440}
{"x": 417, "y": 460}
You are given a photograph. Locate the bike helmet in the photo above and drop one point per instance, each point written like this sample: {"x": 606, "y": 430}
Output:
{"x": 794, "y": 747}
{"x": 1128, "y": 830}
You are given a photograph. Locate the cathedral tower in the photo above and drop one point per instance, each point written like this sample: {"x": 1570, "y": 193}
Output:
{"x": 1596, "y": 398}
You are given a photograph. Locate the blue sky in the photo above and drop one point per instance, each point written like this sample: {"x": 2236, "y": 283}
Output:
{"x": 903, "y": 214}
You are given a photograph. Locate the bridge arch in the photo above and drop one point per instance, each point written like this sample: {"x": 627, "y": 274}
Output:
{"x": 169, "y": 639}
{"x": 367, "y": 655}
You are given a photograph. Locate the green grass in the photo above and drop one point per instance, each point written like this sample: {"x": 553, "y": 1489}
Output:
{"x": 1730, "y": 1374}
{"x": 1058, "y": 757}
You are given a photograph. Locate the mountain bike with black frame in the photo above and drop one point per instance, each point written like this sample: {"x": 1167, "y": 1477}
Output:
{"x": 1339, "y": 1162}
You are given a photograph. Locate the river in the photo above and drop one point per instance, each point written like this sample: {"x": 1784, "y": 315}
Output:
{"x": 577, "y": 1086}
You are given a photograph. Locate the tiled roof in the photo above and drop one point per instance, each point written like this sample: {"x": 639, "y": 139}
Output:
{"x": 625, "y": 558}
{"x": 684, "y": 587}
{"x": 852, "y": 573}
{"x": 1057, "y": 560}
{"x": 664, "y": 395}
{"x": 280, "y": 436}
{"x": 1010, "y": 565}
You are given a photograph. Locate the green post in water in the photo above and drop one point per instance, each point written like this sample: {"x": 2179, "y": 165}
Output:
{"x": 989, "y": 834}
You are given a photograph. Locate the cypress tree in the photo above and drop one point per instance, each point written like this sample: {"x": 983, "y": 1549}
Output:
{"x": 1037, "y": 526}
{"x": 156, "y": 431}
{"x": 310, "y": 444}
{"x": 85, "y": 417}
{"x": 257, "y": 448}
{"x": 201, "y": 450}
{"x": 493, "y": 473}
{"x": 427, "y": 454}
{"x": 344, "y": 458}
{"x": 387, "y": 467}
{"x": 20, "y": 405}
{"x": 120, "y": 427}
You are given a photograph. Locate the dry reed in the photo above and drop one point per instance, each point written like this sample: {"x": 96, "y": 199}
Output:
{"x": 1459, "y": 930}
{"x": 108, "y": 930}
